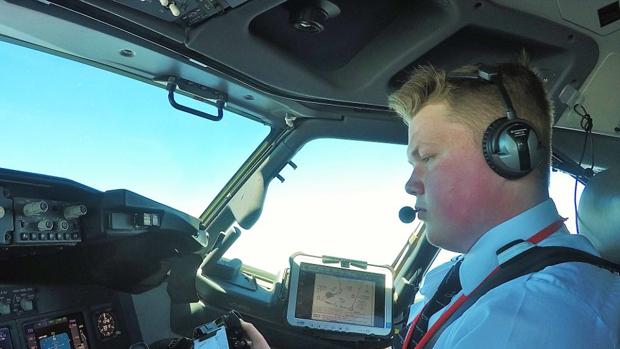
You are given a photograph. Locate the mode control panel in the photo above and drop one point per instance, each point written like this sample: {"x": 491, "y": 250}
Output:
{"x": 46, "y": 222}
{"x": 17, "y": 300}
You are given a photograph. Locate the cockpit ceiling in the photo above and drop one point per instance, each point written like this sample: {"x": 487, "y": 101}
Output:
{"x": 254, "y": 53}
{"x": 363, "y": 49}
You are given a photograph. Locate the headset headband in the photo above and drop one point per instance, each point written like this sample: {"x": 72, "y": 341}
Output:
{"x": 490, "y": 74}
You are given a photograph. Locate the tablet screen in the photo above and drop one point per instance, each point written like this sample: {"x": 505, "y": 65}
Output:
{"x": 334, "y": 298}
{"x": 330, "y": 294}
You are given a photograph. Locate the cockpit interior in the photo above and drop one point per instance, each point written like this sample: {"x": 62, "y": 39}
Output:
{"x": 151, "y": 148}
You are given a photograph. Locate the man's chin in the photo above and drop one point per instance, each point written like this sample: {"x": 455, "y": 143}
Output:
{"x": 431, "y": 235}
{"x": 432, "y": 240}
{"x": 438, "y": 238}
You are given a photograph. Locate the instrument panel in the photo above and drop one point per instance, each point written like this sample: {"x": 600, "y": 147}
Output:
{"x": 63, "y": 332}
{"x": 78, "y": 317}
{"x": 48, "y": 222}
{"x": 5, "y": 338}
{"x": 72, "y": 255}
{"x": 38, "y": 210}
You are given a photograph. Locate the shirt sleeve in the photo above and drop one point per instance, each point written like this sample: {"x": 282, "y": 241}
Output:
{"x": 527, "y": 315}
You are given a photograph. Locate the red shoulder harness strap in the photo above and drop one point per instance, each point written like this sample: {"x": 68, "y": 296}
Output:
{"x": 536, "y": 238}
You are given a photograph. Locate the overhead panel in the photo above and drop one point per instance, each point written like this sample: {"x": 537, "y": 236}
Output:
{"x": 600, "y": 97}
{"x": 599, "y": 16}
{"x": 184, "y": 12}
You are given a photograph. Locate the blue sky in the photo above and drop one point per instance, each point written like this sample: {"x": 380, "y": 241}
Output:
{"x": 107, "y": 131}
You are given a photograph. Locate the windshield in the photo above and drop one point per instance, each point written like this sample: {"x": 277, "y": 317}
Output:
{"x": 342, "y": 200}
{"x": 107, "y": 131}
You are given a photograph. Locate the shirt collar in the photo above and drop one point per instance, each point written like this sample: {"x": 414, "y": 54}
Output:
{"x": 482, "y": 257}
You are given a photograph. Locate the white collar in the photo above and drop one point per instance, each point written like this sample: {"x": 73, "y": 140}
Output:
{"x": 482, "y": 257}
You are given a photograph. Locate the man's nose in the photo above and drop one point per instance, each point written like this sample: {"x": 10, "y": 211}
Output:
{"x": 414, "y": 185}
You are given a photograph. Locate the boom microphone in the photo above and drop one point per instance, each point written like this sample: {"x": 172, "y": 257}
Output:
{"x": 407, "y": 214}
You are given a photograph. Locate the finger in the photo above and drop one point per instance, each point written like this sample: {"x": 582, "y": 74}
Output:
{"x": 258, "y": 341}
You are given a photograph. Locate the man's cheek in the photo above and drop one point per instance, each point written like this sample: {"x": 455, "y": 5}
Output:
{"x": 449, "y": 198}
{"x": 457, "y": 201}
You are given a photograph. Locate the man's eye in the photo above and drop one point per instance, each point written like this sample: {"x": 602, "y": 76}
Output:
{"x": 426, "y": 158}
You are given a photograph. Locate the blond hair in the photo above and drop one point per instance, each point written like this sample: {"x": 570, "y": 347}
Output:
{"x": 477, "y": 103}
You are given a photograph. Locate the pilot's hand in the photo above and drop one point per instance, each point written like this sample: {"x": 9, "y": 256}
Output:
{"x": 258, "y": 341}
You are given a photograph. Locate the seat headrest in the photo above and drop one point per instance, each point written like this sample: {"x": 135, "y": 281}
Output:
{"x": 599, "y": 213}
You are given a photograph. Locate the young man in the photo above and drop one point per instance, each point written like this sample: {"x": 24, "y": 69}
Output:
{"x": 477, "y": 200}
{"x": 480, "y": 147}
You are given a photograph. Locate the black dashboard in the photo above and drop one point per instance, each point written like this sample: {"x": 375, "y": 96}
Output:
{"x": 82, "y": 268}
{"x": 72, "y": 256}
{"x": 57, "y": 231}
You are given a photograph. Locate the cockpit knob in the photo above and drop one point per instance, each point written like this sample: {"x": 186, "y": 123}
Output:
{"x": 2, "y": 212}
{"x": 26, "y": 304}
{"x": 174, "y": 9}
{"x": 5, "y": 309}
{"x": 62, "y": 225}
{"x": 73, "y": 212}
{"x": 45, "y": 225}
{"x": 35, "y": 208}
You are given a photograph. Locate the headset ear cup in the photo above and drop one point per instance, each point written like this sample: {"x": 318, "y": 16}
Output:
{"x": 512, "y": 148}
{"x": 489, "y": 144}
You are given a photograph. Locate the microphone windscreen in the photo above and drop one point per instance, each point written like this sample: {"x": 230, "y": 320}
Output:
{"x": 406, "y": 214}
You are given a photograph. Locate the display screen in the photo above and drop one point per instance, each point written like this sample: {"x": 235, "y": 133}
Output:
{"x": 342, "y": 296}
{"x": 65, "y": 332}
{"x": 5, "y": 338}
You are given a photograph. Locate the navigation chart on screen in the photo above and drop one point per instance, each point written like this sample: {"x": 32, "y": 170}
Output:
{"x": 343, "y": 300}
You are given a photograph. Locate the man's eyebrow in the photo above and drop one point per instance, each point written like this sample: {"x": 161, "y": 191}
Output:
{"x": 414, "y": 153}
{"x": 415, "y": 149}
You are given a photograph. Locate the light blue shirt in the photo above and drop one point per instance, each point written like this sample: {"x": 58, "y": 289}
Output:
{"x": 569, "y": 305}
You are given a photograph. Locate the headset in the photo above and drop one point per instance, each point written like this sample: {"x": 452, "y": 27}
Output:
{"x": 510, "y": 145}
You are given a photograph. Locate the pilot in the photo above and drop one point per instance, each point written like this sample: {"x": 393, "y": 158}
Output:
{"x": 480, "y": 146}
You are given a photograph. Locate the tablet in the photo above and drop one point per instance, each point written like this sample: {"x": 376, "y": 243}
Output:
{"x": 340, "y": 295}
